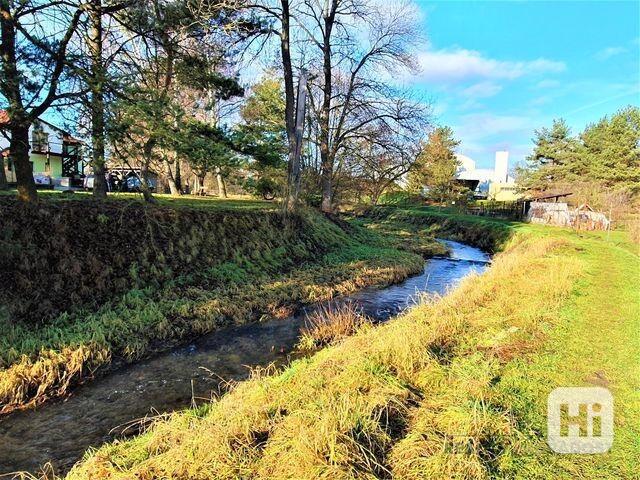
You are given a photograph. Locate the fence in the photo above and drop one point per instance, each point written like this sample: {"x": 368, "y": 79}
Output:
{"x": 509, "y": 210}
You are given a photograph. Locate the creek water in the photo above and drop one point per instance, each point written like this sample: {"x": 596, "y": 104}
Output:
{"x": 118, "y": 404}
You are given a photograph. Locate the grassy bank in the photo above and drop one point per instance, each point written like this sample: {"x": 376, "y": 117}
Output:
{"x": 455, "y": 388}
{"x": 486, "y": 233}
{"x": 116, "y": 281}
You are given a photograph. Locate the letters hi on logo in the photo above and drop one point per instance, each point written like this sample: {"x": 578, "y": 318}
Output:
{"x": 580, "y": 420}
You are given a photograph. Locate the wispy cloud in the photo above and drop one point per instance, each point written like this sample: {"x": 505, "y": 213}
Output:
{"x": 481, "y": 125}
{"x": 482, "y": 90}
{"x": 459, "y": 64}
{"x": 609, "y": 52}
{"x": 635, "y": 91}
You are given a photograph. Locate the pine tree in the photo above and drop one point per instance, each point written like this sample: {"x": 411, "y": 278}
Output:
{"x": 555, "y": 157}
{"x": 611, "y": 150}
{"x": 437, "y": 165}
{"x": 606, "y": 153}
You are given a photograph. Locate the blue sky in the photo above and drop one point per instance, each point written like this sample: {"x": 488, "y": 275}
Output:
{"x": 496, "y": 71}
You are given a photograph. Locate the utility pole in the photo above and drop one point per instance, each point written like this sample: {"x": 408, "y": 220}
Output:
{"x": 294, "y": 168}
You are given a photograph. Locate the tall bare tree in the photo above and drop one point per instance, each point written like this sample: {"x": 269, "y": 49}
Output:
{"x": 360, "y": 45}
{"x": 278, "y": 19}
{"x": 381, "y": 158}
{"x": 351, "y": 48}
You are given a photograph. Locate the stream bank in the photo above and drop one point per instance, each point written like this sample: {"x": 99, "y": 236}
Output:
{"x": 101, "y": 411}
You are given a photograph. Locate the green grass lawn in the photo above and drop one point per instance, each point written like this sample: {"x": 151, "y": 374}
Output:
{"x": 454, "y": 388}
{"x": 596, "y": 343}
{"x": 234, "y": 202}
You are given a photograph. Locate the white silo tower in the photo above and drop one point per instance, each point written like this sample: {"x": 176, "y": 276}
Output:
{"x": 501, "y": 171}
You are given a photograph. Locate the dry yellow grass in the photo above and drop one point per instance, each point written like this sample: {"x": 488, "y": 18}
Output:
{"x": 331, "y": 323}
{"x": 51, "y": 374}
{"x": 413, "y": 398}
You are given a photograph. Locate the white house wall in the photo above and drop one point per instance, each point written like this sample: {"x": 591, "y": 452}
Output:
{"x": 55, "y": 137}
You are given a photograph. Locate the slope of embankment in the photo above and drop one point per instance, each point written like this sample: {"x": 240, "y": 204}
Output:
{"x": 87, "y": 283}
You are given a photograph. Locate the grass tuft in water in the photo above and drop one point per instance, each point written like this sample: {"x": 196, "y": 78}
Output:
{"x": 330, "y": 324}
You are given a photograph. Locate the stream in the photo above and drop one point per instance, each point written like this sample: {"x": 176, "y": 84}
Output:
{"x": 112, "y": 407}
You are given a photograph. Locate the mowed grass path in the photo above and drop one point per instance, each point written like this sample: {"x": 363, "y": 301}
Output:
{"x": 233, "y": 202}
{"x": 454, "y": 388}
{"x": 596, "y": 343}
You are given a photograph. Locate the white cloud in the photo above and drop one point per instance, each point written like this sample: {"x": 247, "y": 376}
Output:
{"x": 460, "y": 64}
{"x": 609, "y": 52}
{"x": 482, "y": 90}
{"x": 482, "y": 125}
{"x": 482, "y": 134}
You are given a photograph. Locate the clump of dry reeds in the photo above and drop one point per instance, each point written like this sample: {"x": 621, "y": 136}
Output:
{"x": 330, "y": 324}
{"x": 52, "y": 374}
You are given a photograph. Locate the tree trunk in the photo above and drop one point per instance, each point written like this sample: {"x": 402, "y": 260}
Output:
{"x": 293, "y": 187}
{"x": 19, "y": 151}
{"x": 171, "y": 179}
{"x": 326, "y": 156}
{"x": 295, "y": 170}
{"x": 200, "y": 184}
{"x": 144, "y": 182}
{"x": 19, "y": 122}
{"x": 96, "y": 86}
{"x": 375, "y": 197}
{"x": 4, "y": 185}
{"x": 326, "y": 183}
{"x": 144, "y": 172}
{"x": 222, "y": 189}
{"x": 177, "y": 176}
